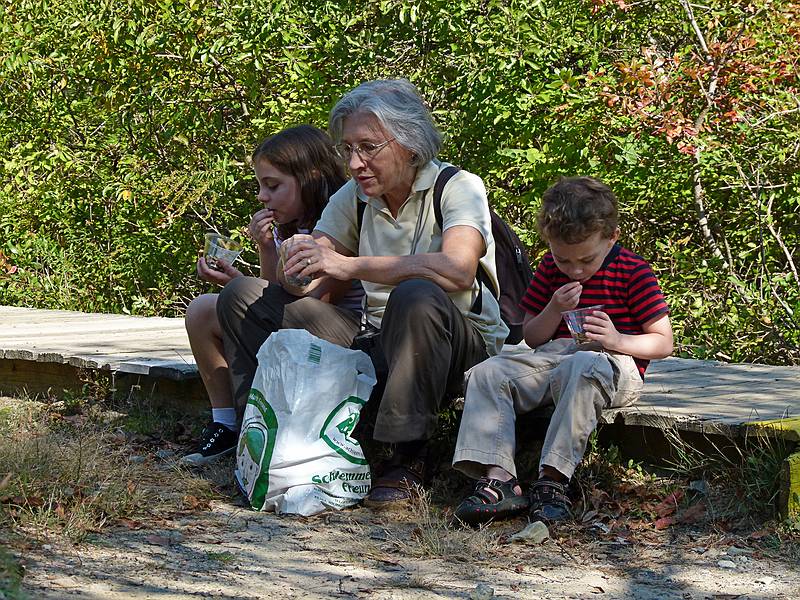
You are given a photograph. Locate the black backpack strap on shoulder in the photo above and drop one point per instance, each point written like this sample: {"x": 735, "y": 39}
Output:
{"x": 360, "y": 208}
{"x": 438, "y": 189}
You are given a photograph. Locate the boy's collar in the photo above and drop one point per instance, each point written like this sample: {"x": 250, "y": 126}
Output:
{"x": 612, "y": 254}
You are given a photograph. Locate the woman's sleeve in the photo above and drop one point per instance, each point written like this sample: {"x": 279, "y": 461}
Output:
{"x": 464, "y": 202}
{"x": 338, "y": 219}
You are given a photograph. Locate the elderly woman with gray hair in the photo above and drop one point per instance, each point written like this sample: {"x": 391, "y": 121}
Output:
{"x": 431, "y": 318}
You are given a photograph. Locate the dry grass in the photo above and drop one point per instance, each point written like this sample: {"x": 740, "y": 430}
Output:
{"x": 434, "y": 535}
{"x": 424, "y": 530}
{"x": 745, "y": 473}
{"x": 418, "y": 581}
{"x": 71, "y": 476}
{"x": 421, "y": 530}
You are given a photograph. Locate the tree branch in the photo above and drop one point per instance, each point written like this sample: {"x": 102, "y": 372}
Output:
{"x": 777, "y": 114}
{"x": 770, "y": 225}
{"x": 700, "y": 37}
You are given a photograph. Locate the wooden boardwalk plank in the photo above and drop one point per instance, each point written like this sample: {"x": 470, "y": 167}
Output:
{"x": 122, "y": 343}
{"x": 676, "y": 390}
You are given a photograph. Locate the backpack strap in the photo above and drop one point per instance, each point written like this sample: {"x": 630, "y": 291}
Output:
{"x": 360, "y": 208}
{"x": 481, "y": 275}
{"x": 444, "y": 176}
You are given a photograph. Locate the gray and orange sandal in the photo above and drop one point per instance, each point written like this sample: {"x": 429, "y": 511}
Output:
{"x": 492, "y": 500}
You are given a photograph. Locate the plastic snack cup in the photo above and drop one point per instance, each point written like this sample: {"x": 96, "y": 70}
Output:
{"x": 292, "y": 280}
{"x": 575, "y": 320}
{"x": 220, "y": 247}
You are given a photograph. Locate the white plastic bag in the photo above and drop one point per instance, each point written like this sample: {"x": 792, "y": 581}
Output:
{"x": 295, "y": 453}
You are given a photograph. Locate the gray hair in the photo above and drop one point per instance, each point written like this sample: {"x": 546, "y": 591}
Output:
{"x": 397, "y": 105}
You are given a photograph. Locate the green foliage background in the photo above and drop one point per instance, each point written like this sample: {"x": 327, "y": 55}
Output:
{"x": 125, "y": 128}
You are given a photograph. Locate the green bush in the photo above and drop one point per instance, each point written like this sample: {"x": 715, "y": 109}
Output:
{"x": 125, "y": 129}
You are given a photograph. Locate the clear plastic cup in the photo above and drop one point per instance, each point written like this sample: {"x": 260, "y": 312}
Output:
{"x": 575, "y": 320}
{"x": 293, "y": 280}
{"x": 220, "y": 247}
{"x": 296, "y": 281}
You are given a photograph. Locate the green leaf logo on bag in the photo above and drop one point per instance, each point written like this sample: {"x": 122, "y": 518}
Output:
{"x": 339, "y": 427}
{"x": 254, "y": 452}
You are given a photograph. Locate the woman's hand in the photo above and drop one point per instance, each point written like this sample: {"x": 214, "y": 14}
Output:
{"x": 567, "y": 296}
{"x": 221, "y": 277}
{"x": 260, "y": 227}
{"x": 305, "y": 257}
{"x": 599, "y": 328}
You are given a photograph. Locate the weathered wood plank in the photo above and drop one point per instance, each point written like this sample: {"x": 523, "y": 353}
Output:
{"x": 680, "y": 390}
{"x": 672, "y": 364}
{"x": 789, "y": 500}
{"x": 53, "y": 379}
{"x": 722, "y": 376}
{"x": 111, "y": 342}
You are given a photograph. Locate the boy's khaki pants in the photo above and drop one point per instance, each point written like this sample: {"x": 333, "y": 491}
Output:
{"x": 580, "y": 384}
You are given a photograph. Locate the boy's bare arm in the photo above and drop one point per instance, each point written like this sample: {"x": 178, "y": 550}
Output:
{"x": 655, "y": 341}
{"x": 539, "y": 328}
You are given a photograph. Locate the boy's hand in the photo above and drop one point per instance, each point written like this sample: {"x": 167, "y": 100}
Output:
{"x": 599, "y": 327}
{"x": 567, "y": 296}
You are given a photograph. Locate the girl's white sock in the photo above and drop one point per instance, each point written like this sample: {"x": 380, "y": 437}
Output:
{"x": 224, "y": 416}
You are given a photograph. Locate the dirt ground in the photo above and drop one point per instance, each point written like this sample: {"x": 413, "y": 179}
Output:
{"x": 231, "y": 552}
{"x": 189, "y": 537}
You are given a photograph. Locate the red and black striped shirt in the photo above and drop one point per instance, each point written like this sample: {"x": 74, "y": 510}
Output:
{"x": 624, "y": 284}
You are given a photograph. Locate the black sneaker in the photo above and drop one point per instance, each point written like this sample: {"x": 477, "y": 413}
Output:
{"x": 549, "y": 502}
{"x": 216, "y": 441}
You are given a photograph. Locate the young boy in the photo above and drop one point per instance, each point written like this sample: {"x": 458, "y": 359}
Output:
{"x": 585, "y": 267}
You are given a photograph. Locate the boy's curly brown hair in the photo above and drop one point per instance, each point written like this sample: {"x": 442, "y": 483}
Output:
{"x": 574, "y": 208}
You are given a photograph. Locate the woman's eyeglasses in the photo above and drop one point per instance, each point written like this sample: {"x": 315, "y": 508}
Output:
{"x": 365, "y": 150}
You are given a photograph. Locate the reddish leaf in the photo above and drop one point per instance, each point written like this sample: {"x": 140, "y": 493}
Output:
{"x": 664, "y": 522}
{"x": 761, "y": 533}
{"x": 669, "y": 504}
{"x": 598, "y": 498}
{"x": 6, "y": 265}
{"x": 30, "y": 501}
{"x": 194, "y": 503}
{"x": 627, "y": 487}
{"x": 130, "y": 523}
